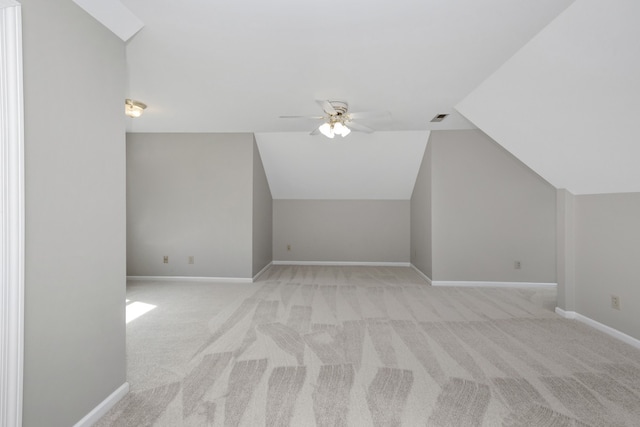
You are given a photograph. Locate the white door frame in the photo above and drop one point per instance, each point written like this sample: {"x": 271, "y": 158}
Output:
{"x": 11, "y": 214}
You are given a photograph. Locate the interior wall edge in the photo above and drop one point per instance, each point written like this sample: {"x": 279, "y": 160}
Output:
{"x": 424, "y": 276}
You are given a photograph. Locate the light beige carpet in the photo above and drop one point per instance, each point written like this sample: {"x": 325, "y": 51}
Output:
{"x": 368, "y": 346}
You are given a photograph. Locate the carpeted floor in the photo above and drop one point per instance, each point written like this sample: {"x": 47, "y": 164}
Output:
{"x": 367, "y": 346}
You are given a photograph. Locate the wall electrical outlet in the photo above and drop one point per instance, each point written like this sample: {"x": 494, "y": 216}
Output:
{"x": 615, "y": 302}
{"x": 517, "y": 265}
{"x": 166, "y": 259}
{"x": 191, "y": 259}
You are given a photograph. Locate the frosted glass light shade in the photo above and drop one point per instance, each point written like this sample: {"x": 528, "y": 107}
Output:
{"x": 327, "y": 130}
{"x": 332, "y": 129}
{"x": 340, "y": 129}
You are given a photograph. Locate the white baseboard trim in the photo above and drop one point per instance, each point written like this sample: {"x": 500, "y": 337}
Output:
{"x": 421, "y": 274}
{"x": 92, "y": 417}
{"x": 481, "y": 284}
{"x": 599, "y": 326}
{"x": 266, "y": 267}
{"x": 199, "y": 279}
{"x": 191, "y": 279}
{"x": 344, "y": 263}
{"x": 566, "y": 314}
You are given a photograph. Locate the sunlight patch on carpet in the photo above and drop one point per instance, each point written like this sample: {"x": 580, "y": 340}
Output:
{"x": 137, "y": 309}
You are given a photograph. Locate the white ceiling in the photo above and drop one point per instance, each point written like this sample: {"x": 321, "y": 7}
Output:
{"x": 113, "y": 15}
{"x": 222, "y": 66}
{"x": 383, "y": 165}
{"x": 568, "y": 103}
{"x": 236, "y": 66}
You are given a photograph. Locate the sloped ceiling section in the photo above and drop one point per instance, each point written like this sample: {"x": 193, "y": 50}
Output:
{"x": 379, "y": 166}
{"x": 215, "y": 66}
{"x": 568, "y": 103}
{"x": 113, "y": 15}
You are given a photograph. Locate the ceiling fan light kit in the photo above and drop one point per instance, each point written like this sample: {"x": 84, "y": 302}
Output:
{"x": 332, "y": 129}
{"x": 338, "y": 120}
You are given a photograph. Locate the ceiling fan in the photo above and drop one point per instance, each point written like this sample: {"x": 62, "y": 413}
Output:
{"x": 339, "y": 121}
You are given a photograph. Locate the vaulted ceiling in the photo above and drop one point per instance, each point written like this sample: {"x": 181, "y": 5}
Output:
{"x": 560, "y": 94}
{"x": 236, "y": 66}
{"x": 568, "y": 103}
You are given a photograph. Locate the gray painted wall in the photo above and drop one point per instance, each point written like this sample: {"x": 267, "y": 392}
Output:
{"x": 565, "y": 250}
{"x": 607, "y": 249}
{"x": 341, "y": 230}
{"x": 421, "y": 254}
{"x": 74, "y": 80}
{"x": 190, "y": 194}
{"x": 488, "y": 211}
{"x": 262, "y": 215}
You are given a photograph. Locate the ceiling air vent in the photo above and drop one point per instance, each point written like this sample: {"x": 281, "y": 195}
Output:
{"x": 439, "y": 118}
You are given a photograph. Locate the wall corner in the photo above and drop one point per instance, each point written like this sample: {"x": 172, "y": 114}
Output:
{"x": 565, "y": 250}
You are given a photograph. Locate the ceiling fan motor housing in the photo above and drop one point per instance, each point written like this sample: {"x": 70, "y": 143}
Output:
{"x": 340, "y": 107}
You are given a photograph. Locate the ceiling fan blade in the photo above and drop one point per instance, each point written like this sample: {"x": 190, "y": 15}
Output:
{"x": 315, "y": 131}
{"x": 303, "y": 117}
{"x": 327, "y": 107}
{"x": 358, "y": 127}
{"x": 366, "y": 115}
